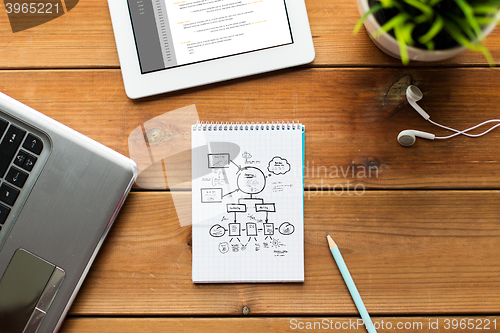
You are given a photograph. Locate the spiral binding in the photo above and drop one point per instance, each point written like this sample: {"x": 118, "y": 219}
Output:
{"x": 258, "y": 126}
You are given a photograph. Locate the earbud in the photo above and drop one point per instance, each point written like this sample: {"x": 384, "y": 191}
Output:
{"x": 408, "y": 137}
{"x": 413, "y": 94}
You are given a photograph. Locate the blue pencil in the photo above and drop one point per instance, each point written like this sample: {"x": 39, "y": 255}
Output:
{"x": 350, "y": 285}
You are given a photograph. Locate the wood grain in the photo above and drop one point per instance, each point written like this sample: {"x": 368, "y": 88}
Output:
{"x": 352, "y": 118}
{"x": 251, "y": 325}
{"x": 409, "y": 252}
{"x": 83, "y": 38}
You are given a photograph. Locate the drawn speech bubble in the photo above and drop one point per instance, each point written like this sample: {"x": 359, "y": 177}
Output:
{"x": 278, "y": 166}
{"x": 217, "y": 231}
{"x": 286, "y": 228}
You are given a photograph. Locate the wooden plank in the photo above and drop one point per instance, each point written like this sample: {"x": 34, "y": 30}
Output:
{"x": 251, "y": 325}
{"x": 352, "y": 118}
{"x": 83, "y": 38}
{"x": 418, "y": 252}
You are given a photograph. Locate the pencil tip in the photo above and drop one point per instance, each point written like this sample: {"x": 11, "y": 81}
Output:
{"x": 327, "y": 233}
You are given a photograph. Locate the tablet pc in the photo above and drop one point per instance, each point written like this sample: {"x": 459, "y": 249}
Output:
{"x": 167, "y": 45}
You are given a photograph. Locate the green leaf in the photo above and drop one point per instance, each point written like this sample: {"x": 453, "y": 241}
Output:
{"x": 389, "y": 3}
{"x": 392, "y": 23}
{"x": 406, "y": 32}
{"x": 421, "y": 19}
{"x": 372, "y": 10}
{"x": 393, "y": 4}
{"x": 425, "y": 9}
{"x": 482, "y": 21}
{"x": 469, "y": 15}
{"x": 486, "y": 54}
{"x": 433, "y": 3}
{"x": 461, "y": 24}
{"x": 403, "y": 49}
{"x": 436, "y": 27}
{"x": 430, "y": 45}
{"x": 457, "y": 35}
{"x": 485, "y": 9}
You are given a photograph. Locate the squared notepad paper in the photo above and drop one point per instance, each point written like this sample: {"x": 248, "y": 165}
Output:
{"x": 248, "y": 202}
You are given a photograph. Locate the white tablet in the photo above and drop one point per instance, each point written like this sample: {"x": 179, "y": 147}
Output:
{"x": 167, "y": 45}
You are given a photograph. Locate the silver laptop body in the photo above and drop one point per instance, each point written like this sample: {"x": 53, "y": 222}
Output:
{"x": 59, "y": 195}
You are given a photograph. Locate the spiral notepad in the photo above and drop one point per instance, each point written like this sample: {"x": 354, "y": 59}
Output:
{"x": 248, "y": 206}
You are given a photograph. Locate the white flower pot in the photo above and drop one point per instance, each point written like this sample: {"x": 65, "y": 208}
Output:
{"x": 387, "y": 43}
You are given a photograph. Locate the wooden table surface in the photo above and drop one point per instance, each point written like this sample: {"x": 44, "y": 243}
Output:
{"x": 422, "y": 240}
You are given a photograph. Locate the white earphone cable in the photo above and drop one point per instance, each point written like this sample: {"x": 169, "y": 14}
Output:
{"x": 464, "y": 132}
{"x": 407, "y": 137}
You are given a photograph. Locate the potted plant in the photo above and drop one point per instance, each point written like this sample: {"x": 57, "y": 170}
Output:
{"x": 429, "y": 30}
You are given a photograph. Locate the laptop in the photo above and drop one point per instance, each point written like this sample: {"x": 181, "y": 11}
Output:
{"x": 59, "y": 195}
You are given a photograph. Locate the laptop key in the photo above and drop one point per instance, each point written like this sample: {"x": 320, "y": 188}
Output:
{"x": 20, "y": 158}
{"x": 8, "y": 194}
{"x": 29, "y": 162}
{"x": 16, "y": 177}
{"x": 8, "y": 147}
{"x": 25, "y": 160}
{"x": 33, "y": 144}
{"x": 4, "y": 212}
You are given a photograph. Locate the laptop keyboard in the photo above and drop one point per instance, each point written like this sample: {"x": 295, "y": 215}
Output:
{"x": 19, "y": 152}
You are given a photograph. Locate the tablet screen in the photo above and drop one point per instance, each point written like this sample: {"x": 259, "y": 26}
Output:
{"x": 172, "y": 33}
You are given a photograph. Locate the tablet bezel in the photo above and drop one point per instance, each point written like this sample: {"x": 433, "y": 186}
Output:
{"x": 138, "y": 85}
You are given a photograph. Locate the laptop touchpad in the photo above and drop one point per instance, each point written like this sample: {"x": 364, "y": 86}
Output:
{"x": 26, "y": 291}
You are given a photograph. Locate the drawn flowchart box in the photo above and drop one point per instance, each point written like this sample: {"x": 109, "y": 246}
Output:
{"x": 251, "y": 229}
{"x": 218, "y": 160}
{"x": 268, "y": 229}
{"x": 236, "y": 208}
{"x": 211, "y": 195}
{"x": 269, "y": 207}
{"x": 234, "y": 229}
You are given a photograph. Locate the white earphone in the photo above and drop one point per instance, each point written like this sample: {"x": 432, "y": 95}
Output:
{"x": 408, "y": 137}
{"x": 413, "y": 95}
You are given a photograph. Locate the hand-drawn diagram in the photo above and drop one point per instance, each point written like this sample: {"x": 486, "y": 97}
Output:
{"x": 250, "y": 219}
